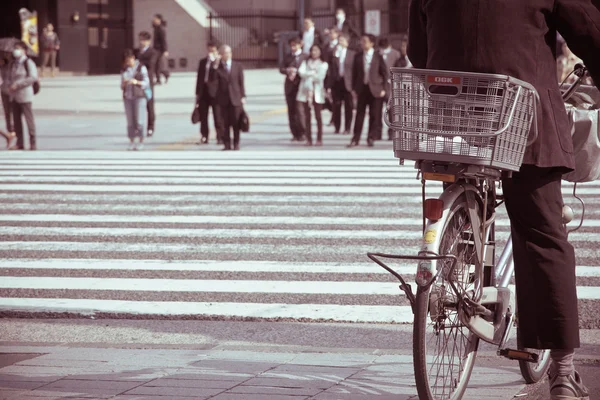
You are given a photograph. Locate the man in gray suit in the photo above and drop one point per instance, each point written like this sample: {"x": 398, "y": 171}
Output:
{"x": 518, "y": 38}
{"x": 23, "y": 75}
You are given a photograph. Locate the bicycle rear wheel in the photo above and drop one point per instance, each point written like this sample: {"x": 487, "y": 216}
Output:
{"x": 531, "y": 372}
{"x": 444, "y": 350}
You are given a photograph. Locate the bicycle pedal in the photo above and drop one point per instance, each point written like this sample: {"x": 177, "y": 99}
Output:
{"x": 520, "y": 355}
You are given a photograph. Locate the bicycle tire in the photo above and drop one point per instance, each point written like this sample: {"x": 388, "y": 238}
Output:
{"x": 434, "y": 303}
{"x": 533, "y": 373}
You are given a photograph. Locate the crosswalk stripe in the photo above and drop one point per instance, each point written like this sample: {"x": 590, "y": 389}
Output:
{"x": 232, "y": 220}
{"x": 222, "y": 286}
{"x": 84, "y": 221}
{"x": 402, "y": 267}
{"x": 227, "y": 188}
{"x": 325, "y": 312}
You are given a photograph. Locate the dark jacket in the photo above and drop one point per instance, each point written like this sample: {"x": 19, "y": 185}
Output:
{"x": 209, "y": 87}
{"x": 291, "y": 86}
{"x": 334, "y": 70}
{"x": 230, "y": 85}
{"x": 378, "y": 73}
{"x": 319, "y": 39}
{"x": 516, "y": 38}
{"x": 160, "y": 39}
{"x": 148, "y": 59}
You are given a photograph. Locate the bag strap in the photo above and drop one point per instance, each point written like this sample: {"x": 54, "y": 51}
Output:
{"x": 27, "y": 66}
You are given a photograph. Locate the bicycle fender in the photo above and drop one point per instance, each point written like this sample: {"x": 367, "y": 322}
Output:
{"x": 426, "y": 270}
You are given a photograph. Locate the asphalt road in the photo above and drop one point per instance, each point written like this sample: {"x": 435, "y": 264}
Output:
{"x": 257, "y": 244}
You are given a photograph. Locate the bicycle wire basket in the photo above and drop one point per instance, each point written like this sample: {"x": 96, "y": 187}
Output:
{"x": 460, "y": 117}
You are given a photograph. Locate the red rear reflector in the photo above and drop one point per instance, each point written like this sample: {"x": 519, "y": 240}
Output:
{"x": 434, "y": 209}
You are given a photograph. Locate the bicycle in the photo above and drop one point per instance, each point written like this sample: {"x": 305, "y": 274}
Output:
{"x": 467, "y": 130}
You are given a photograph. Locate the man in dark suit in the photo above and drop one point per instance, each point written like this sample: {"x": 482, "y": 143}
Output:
{"x": 148, "y": 56}
{"x": 230, "y": 97}
{"x": 206, "y": 92}
{"x": 345, "y": 27}
{"x": 289, "y": 68}
{"x": 369, "y": 80}
{"x": 339, "y": 84}
{"x": 518, "y": 38}
{"x": 310, "y": 36}
{"x": 160, "y": 45}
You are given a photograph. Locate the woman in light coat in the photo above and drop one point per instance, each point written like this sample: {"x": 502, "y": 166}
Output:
{"x": 311, "y": 93}
{"x": 135, "y": 84}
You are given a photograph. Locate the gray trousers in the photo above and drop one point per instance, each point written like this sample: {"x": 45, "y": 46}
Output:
{"x": 20, "y": 110}
{"x": 7, "y": 105}
{"x": 136, "y": 113}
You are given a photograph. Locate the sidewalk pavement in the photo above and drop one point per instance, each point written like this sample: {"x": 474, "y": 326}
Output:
{"x": 58, "y": 372}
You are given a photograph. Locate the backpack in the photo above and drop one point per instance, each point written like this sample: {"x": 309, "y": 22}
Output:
{"x": 36, "y": 84}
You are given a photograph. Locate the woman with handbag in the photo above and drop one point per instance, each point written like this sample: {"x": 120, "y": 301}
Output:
{"x": 311, "y": 93}
{"x": 135, "y": 84}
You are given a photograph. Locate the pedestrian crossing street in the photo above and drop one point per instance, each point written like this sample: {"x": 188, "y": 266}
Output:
{"x": 236, "y": 235}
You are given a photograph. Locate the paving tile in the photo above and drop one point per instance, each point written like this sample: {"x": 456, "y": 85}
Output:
{"x": 269, "y": 390}
{"x": 335, "y": 360}
{"x": 351, "y": 396}
{"x": 166, "y": 397}
{"x": 7, "y": 359}
{"x": 30, "y": 385}
{"x": 59, "y": 394}
{"x": 192, "y": 383}
{"x": 239, "y": 356}
{"x": 37, "y": 378}
{"x": 7, "y": 394}
{"x": 280, "y": 382}
{"x": 173, "y": 391}
{"x": 314, "y": 370}
{"x": 245, "y": 396}
{"x": 211, "y": 375}
{"x": 140, "y": 376}
{"x": 234, "y": 366}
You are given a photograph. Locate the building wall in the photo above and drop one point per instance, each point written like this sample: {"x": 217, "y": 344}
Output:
{"x": 186, "y": 38}
{"x": 74, "y": 49}
{"x": 231, "y": 5}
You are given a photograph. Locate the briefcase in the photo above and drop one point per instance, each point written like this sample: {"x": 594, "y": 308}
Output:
{"x": 196, "y": 115}
{"x": 244, "y": 121}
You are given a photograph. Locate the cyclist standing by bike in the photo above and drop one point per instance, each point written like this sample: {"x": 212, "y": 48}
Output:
{"x": 518, "y": 38}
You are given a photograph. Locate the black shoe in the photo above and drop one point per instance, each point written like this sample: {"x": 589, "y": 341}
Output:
{"x": 150, "y": 132}
{"x": 158, "y": 83}
{"x": 353, "y": 143}
{"x": 204, "y": 140}
{"x": 236, "y": 147}
{"x": 337, "y": 132}
{"x": 370, "y": 142}
{"x": 226, "y": 148}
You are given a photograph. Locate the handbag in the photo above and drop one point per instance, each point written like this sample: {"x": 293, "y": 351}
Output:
{"x": 584, "y": 111}
{"x": 244, "y": 121}
{"x": 138, "y": 91}
{"x": 196, "y": 115}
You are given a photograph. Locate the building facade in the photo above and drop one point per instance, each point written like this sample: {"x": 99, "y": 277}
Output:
{"x": 95, "y": 33}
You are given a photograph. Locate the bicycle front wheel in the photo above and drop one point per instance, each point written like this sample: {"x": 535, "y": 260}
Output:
{"x": 444, "y": 350}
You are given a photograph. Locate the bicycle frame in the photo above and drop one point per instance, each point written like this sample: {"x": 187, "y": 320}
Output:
{"x": 489, "y": 326}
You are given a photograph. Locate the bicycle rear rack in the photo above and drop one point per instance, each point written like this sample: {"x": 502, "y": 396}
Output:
{"x": 406, "y": 287}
